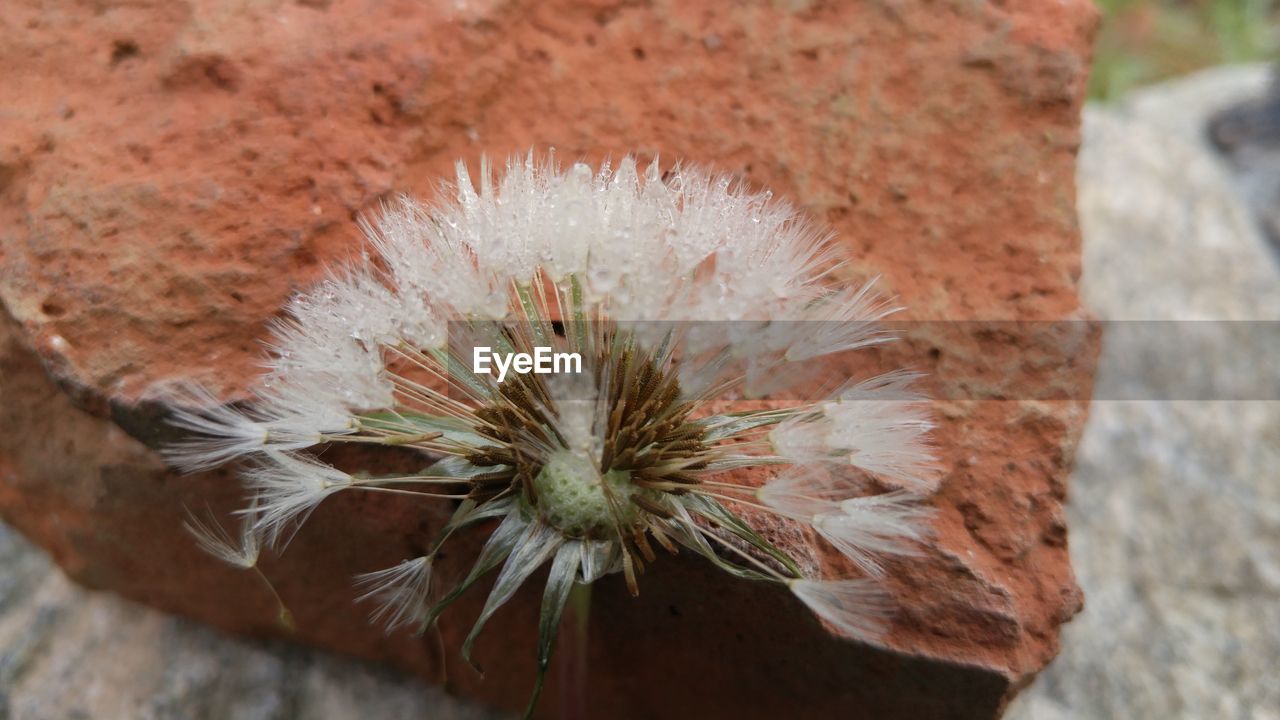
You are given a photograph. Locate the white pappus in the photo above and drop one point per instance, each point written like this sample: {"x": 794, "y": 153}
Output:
{"x": 681, "y": 291}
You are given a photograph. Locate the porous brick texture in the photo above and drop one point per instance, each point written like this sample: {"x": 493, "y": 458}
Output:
{"x": 171, "y": 171}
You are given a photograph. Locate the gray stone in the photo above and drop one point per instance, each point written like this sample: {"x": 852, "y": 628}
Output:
{"x": 1182, "y": 107}
{"x": 1165, "y": 235}
{"x": 1248, "y": 95}
{"x": 67, "y": 654}
{"x": 1175, "y": 506}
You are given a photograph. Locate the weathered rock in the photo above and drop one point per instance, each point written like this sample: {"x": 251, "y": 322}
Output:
{"x": 162, "y": 196}
{"x": 1175, "y": 512}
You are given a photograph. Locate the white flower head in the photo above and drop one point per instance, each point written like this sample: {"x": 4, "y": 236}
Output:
{"x": 675, "y": 291}
{"x": 241, "y": 551}
{"x": 859, "y": 607}
{"x": 872, "y": 527}
{"x": 220, "y": 432}
{"x": 401, "y": 592}
{"x": 287, "y": 487}
{"x": 878, "y": 425}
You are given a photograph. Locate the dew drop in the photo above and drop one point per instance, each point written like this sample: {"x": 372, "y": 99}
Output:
{"x": 602, "y": 278}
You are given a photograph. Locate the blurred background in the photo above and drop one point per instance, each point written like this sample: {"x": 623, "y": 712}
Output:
{"x": 1175, "y": 506}
{"x": 1142, "y": 42}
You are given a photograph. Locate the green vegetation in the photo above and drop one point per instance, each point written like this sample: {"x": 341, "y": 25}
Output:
{"x": 1143, "y": 41}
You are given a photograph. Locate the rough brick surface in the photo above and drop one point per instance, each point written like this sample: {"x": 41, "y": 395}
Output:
{"x": 171, "y": 172}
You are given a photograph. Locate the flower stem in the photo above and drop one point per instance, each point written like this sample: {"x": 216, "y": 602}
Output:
{"x": 572, "y": 655}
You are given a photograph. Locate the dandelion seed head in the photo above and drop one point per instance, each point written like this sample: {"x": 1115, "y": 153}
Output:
{"x": 677, "y": 290}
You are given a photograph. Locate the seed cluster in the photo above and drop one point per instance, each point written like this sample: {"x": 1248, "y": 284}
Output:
{"x": 648, "y": 433}
{"x": 584, "y": 472}
{"x": 649, "y": 449}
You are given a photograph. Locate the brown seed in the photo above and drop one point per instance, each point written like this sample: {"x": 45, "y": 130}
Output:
{"x": 661, "y": 536}
{"x": 494, "y": 479}
{"x": 651, "y": 506}
{"x": 642, "y": 543}
{"x": 629, "y": 571}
